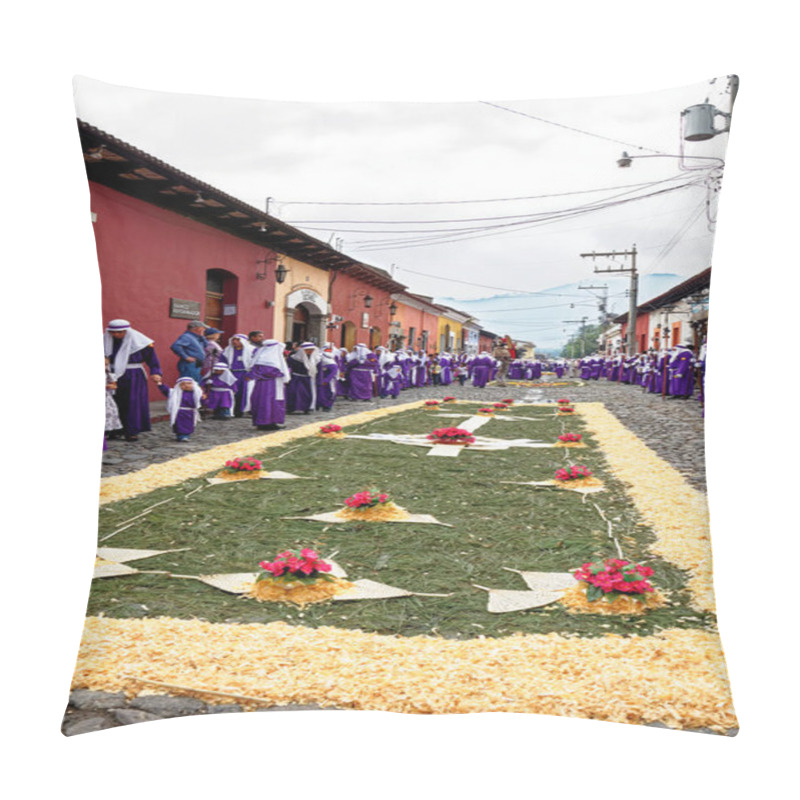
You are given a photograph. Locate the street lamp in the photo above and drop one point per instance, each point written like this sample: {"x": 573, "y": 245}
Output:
{"x": 280, "y": 272}
{"x": 368, "y": 301}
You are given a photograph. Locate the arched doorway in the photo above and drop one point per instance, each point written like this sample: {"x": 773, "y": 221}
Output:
{"x": 300, "y": 325}
{"x": 306, "y": 315}
{"x": 221, "y": 301}
{"x": 348, "y": 335}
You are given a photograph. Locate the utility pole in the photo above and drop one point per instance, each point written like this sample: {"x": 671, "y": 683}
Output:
{"x": 582, "y": 323}
{"x": 633, "y": 290}
{"x": 602, "y": 300}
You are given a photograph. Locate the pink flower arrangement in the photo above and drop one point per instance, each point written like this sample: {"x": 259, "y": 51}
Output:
{"x": 432, "y": 402}
{"x": 331, "y": 428}
{"x": 292, "y": 565}
{"x": 361, "y": 501}
{"x": 613, "y": 577}
{"x": 486, "y": 411}
{"x": 572, "y": 473}
{"x": 448, "y": 399}
{"x": 570, "y": 437}
{"x": 508, "y": 401}
{"x": 565, "y": 409}
{"x": 563, "y": 401}
{"x": 452, "y": 435}
{"x": 243, "y": 465}
{"x": 499, "y": 406}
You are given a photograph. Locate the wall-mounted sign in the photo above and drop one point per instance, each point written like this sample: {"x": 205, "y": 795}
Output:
{"x": 229, "y": 311}
{"x": 184, "y": 309}
{"x": 365, "y": 319}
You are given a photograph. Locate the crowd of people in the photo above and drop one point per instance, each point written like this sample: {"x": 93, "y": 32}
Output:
{"x": 266, "y": 378}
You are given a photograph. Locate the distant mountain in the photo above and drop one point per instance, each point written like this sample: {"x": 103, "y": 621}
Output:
{"x": 546, "y": 317}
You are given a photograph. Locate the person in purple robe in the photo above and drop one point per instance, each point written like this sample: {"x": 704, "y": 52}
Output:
{"x": 327, "y": 377}
{"x": 482, "y": 366}
{"x": 219, "y": 391}
{"x": 128, "y": 351}
{"x": 301, "y": 394}
{"x": 446, "y": 363}
{"x": 681, "y": 372}
{"x": 266, "y": 380}
{"x": 183, "y": 405}
{"x": 341, "y": 361}
{"x": 239, "y": 356}
{"x": 361, "y": 373}
{"x": 422, "y": 370}
{"x": 536, "y": 370}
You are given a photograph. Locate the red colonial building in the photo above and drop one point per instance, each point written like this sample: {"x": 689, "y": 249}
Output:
{"x": 172, "y": 248}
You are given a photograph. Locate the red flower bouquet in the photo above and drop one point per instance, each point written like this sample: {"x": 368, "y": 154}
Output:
{"x": 613, "y": 577}
{"x": 508, "y": 401}
{"x": 570, "y": 438}
{"x": 451, "y": 436}
{"x": 366, "y": 500}
{"x": 563, "y": 401}
{"x": 448, "y": 399}
{"x": 297, "y": 577}
{"x": 499, "y": 406}
{"x": 565, "y": 409}
{"x": 304, "y": 566}
{"x": 331, "y": 431}
{"x": 243, "y": 465}
{"x": 572, "y": 473}
{"x": 432, "y": 403}
{"x": 486, "y": 412}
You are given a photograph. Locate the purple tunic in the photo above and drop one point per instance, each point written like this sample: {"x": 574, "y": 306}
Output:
{"x": 482, "y": 367}
{"x": 266, "y": 409}
{"x": 131, "y": 392}
{"x": 184, "y": 421}
{"x": 446, "y": 363}
{"x": 681, "y": 374}
{"x": 327, "y": 384}
{"x": 299, "y": 392}
{"x": 239, "y": 371}
{"x": 220, "y": 395}
{"x": 360, "y": 379}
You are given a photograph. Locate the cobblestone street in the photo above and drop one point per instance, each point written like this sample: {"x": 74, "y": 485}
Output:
{"x": 672, "y": 427}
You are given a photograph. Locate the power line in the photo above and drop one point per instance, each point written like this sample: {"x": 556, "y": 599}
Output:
{"x": 568, "y": 127}
{"x": 459, "y": 202}
{"x": 496, "y": 230}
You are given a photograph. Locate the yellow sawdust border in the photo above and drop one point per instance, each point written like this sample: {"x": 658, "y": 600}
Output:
{"x": 677, "y": 677}
{"x": 677, "y": 512}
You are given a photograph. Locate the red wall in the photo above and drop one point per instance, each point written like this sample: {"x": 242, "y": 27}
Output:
{"x": 642, "y": 330}
{"x": 148, "y": 255}
{"x": 420, "y": 320}
{"x": 346, "y": 303}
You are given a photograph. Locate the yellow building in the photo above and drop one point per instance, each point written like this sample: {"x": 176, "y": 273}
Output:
{"x": 451, "y": 324}
{"x": 301, "y": 303}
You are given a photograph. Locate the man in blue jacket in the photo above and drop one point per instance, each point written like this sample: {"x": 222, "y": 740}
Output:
{"x": 190, "y": 347}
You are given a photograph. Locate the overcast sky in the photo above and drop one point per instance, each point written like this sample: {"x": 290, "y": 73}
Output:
{"x": 309, "y": 157}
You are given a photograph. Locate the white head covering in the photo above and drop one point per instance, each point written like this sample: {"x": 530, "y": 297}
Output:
{"x": 270, "y": 354}
{"x": 227, "y": 376}
{"x": 309, "y": 361}
{"x": 384, "y": 356}
{"x": 360, "y": 353}
{"x": 133, "y": 342}
{"x": 176, "y": 395}
{"x": 247, "y": 351}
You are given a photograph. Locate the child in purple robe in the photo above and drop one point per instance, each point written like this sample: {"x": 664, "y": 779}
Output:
{"x": 219, "y": 388}
{"x": 183, "y": 404}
